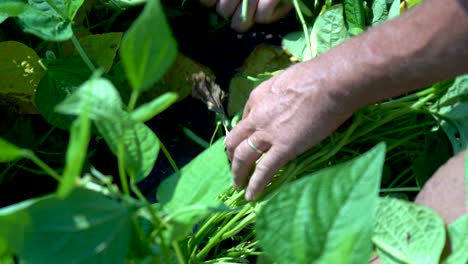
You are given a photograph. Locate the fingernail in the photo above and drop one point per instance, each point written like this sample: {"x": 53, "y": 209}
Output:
{"x": 249, "y": 196}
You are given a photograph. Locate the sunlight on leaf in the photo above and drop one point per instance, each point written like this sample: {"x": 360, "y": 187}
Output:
{"x": 309, "y": 220}
{"x": 409, "y": 232}
{"x": 379, "y": 12}
{"x": 458, "y": 232}
{"x": 20, "y": 74}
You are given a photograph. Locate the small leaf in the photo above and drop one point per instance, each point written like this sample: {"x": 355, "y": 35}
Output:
{"x": 458, "y": 232}
{"x": 394, "y": 9}
{"x": 9, "y": 152}
{"x": 85, "y": 227}
{"x": 296, "y": 44}
{"x": 148, "y": 47}
{"x": 62, "y": 78}
{"x": 50, "y": 19}
{"x": 354, "y": 14}
{"x": 207, "y": 91}
{"x": 325, "y": 217}
{"x": 329, "y": 30}
{"x": 20, "y": 74}
{"x": 12, "y": 8}
{"x": 147, "y": 111}
{"x": 453, "y": 107}
{"x": 379, "y": 12}
{"x": 197, "y": 185}
{"x": 408, "y": 232}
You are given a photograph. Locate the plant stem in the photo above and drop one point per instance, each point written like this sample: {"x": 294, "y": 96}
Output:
{"x": 214, "y": 240}
{"x": 245, "y": 6}
{"x": 133, "y": 100}
{"x": 168, "y": 156}
{"x": 180, "y": 256}
{"x": 30, "y": 155}
{"x": 121, "y": 166}
{"x": 83, "y": 54}
{"x": 304, "y": 27}
{"x": 401, "y": 189}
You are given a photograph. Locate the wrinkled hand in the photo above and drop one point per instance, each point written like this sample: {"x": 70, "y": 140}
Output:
{"x": 258, "y": 11}
{"x": 284, "y": 116}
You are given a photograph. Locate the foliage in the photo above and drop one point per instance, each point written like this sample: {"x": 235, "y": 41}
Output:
{"x": 322, "y": 207}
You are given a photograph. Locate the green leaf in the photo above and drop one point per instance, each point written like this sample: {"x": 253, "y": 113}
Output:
{"x": 354, "y": 13}
{"x": 50, "y": 19}
{"x": 192, "y": 192}
{"x": 408, "y": 232}
{"x": 62, "y": 78}
{"x": 394, "y": 9}
{"x": 453, "y": 108}
{"x": 12, "y": 8}
{"x": 329, "y": 30}
{"x": 156, "y": 106}
{"x": 148, "y": 47}
{"x": 296, "y": 44}
{"x": 458, "y": 232}
{"x": 9, "y": 152}
{"x": 326, "y": 217}
{"x": 466, "y": 176}
{"x": 102, "y": 48}
{"x": 379, "y": 11}
{"x": 20, "y": 74}
{"x": 141, "y": 146}
{"x": 85, "y": 227}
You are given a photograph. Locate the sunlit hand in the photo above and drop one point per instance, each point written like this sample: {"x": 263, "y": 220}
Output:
{"x": 258, "y": 11}
{"x": 284, "y": 117}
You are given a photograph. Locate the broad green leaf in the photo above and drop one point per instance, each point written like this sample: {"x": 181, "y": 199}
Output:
{"x": 458, "y": 232}
{"x": 3, "y": 17}
{"x": 453, "y": 108}
{"x": 20, "y": 74}
{"x": 379, "y": 11}
{"x": 80, "y": 134}
{"x": 85, "y": 227}
{"x": 329, "y": 30}
{"x": 326, "y": 217}
{"x": 408, "y": 232}
{"x": 141, "y": 146}
{"x": 354, "y": 14}
{"x": 102, "y": 48}
{"x": 394, "y": 9}
{"x": 50, "y": 19}
{"x": 151, "y": 109}
{"x": 9, "y": 152}
{"x": 129, "y": 3}
{"x": 62, "y": 78}
{"x": 466, "y": 177}
{"x": 148, "y": 47}
{"x": 192, "y": 192}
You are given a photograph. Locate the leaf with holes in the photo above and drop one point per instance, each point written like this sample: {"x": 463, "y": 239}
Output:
{"x": 407, "y": 232}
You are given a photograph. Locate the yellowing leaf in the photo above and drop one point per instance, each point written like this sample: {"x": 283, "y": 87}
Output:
{"x": 20, "y": 74}
{"x": 101, "y": 48}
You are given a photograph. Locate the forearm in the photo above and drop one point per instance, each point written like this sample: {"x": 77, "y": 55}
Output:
{"x": 423, "y": 46}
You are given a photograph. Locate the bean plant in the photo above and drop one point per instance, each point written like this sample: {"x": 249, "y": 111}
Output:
{"x": 332, "y": 204}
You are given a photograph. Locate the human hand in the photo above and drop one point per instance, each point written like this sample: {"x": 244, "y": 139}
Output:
{"x": 284, "y": 116}
{"x": 258, "y": 11}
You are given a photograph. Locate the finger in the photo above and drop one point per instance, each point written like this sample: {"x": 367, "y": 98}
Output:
{"x": 238, "y": 23}
{"x": 245, "y": 157}
{"x": 208, "y": 3}
{"x": 269, "y": 11}
{"x": 226, "y": 8}
{"x": 271, "y": 163}
{"x": 238, "y": 134}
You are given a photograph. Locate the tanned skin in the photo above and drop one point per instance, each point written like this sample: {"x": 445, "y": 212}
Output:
{"x": 298, "y": 108}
